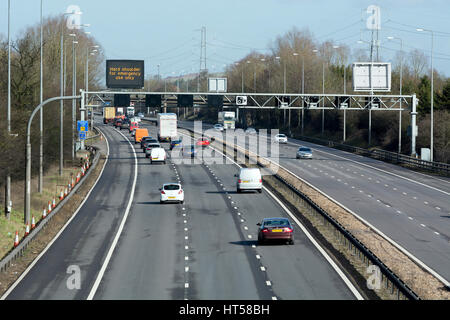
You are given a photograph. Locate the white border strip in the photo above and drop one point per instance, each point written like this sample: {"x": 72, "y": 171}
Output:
{"x": 24, "y": 274}
{"x": 119, "y": 232}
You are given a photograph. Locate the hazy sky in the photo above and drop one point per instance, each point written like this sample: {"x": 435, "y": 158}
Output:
{"x": 168, "y": 32}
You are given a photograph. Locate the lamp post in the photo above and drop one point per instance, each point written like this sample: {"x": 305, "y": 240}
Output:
{"x": 8, "y": 116}
{"x": 401, "y": 79}
{"x": 74, "y": 86}
{"x": 62, "y": 86}
{"x": 41, "y": 115}
{"x": 345, "y": 92}
{"x": 432, "y": 91}
{"x": 323, "y": 92}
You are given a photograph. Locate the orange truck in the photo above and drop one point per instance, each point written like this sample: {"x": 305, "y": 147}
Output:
{"x": 140, "y": 133}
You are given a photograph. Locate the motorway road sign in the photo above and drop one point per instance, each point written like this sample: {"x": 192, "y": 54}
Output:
{"x": 82, "y": 136}
{"x": 83, "y": 126}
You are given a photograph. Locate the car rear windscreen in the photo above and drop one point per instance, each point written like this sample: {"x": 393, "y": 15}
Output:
{"x": 276, "y": 223}
{"x": 172, "y": 187}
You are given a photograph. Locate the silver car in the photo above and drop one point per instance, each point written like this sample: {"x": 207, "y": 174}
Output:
{"x": 304, "y": 153}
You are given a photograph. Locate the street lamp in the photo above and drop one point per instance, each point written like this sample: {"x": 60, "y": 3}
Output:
{"x": 345, "y": 92}
{"x": 323, "y": 93}
{"x": 401, "y": 79}
{"x": 62, "y": 82}
{"x": 432, "y": 90}
{"x": 74, "y": 86}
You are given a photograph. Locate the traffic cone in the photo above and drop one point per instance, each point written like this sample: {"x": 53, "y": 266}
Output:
{"x": 65, "y": 192}
{"x": 49, "y": 207}
{"x": 53, "y": 203}
{"x": 27, "y": 230}
{"x": 33, "y": 223}
{"x": 44, "y": 213}
{"x": 70, "y": 186}
{"x": 87, "y": 164}
{"x": 61, "y": 196}
{"x": 82, "y": 171}
{"x": 16, "y": 239}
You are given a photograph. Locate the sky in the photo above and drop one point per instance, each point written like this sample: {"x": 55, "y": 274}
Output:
{"x": 168, "y": 32}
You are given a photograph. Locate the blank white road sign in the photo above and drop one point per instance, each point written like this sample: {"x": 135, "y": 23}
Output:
{"x": 368, "y": 76}
{"x": 217, "y": 84}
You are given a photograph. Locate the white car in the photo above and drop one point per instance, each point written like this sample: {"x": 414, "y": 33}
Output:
{"x": 218, "y": 127}
{"x": 281, "y": 138}
{"x": 172, "y": 192}
{"x": 150, "y": 147}
{"x": 249, "y": 179}
{"x": 158, "y": 155}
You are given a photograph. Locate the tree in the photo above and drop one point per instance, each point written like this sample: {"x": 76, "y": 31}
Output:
{"x": 424, "y": 96}
{"x": 443, "y": 99}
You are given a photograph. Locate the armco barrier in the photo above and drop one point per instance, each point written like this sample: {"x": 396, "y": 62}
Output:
{"x": 22, "y": 246}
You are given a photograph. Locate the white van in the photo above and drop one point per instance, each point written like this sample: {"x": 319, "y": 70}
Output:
{"x": 249, "y": 179}
{"x": 158, "y": 155}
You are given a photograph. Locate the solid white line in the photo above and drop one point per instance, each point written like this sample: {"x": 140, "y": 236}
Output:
{"x": 319, "y": 248}
{"x": 23, "y": 275}
{"x": 122, "y": 224}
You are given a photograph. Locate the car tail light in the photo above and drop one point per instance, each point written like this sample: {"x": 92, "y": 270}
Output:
{"x": 181, "y": 191}
{"x": 162, "y": 192}
{"x": 265, "y": 230}
{"x": 239, "y": 181}
{"x": 287, "y": 230}
{"x": 260, "y": 180}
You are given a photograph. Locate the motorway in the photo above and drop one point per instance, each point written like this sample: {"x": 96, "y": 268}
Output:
{"x": 413, "y": 209}
{"x": 129, "y": 246}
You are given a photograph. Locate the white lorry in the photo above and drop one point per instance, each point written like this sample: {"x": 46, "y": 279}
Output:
{"x": 228, "y": 120}
{"x": 130, "y": 112}
{"x": 167, "y": 127}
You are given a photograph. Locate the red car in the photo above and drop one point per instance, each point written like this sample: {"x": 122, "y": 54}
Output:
{"x": 275, "y": 229}
{"x": 203, "y": 142}
{"x": 133, "y": 125}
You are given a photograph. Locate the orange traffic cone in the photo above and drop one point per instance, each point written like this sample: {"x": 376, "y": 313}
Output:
{"x": 44, "y": 213}
{"x": 33, "y": 223}
{"x": 61, "y": 196}
{"x": 73, "y": 183}
{"x": 53, "y": 203}
{"x": 27, "y": 230}
{"x": 16, "y": 239}
{"x": 65, "y": 192}
{"x": 87, "y": 164}
{"x": 49, "y": 207}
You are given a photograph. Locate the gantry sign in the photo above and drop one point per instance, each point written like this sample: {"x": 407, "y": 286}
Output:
{"x": 289, "y": 101}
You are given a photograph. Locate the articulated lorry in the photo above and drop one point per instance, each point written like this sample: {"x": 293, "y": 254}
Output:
{"x": 167, "y": 127}
{"x": 227, "y": 119}
{"x": 109, "y": 113}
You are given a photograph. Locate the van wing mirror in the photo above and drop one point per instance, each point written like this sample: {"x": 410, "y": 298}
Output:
{"x": 258, "y": 224}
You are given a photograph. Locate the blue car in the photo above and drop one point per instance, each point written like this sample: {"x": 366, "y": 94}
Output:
{"x": 176, "y": 143}
{"x": 190, "y": 151}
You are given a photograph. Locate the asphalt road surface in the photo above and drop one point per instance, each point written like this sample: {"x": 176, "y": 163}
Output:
{"x": 413, "y": 209}
{"x": 204, "y": 249}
